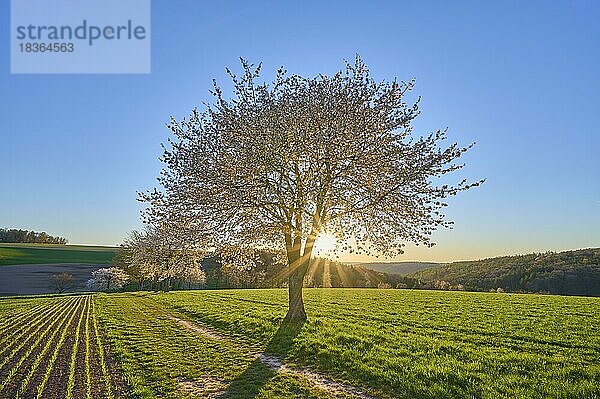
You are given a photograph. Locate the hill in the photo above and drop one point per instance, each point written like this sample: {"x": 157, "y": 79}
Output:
{"x": 401, "y": 268}
{"x": 567, "y": 273}
{"x": 23, "y": 254}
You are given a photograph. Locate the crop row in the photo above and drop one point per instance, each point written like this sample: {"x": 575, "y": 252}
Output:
{"x": 45, "y": 348}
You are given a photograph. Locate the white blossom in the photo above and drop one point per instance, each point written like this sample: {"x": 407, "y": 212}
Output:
{"x": 107, "y": 279}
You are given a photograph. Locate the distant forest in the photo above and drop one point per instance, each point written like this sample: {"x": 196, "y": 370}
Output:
{"x": 566, "y": 273}
{"x": 31, "y": 237}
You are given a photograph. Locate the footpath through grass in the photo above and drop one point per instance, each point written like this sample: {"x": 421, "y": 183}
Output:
{"x": 395, "y": 343}
{"x": 161, "y": 359}
{"x": 24, "y": 254}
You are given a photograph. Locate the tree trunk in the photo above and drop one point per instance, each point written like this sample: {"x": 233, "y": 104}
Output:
{"x": 296, "y": 310}
{"x": 299, "y": 265}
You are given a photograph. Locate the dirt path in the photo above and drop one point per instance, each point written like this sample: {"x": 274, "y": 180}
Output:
{"x": 273, "y": 362}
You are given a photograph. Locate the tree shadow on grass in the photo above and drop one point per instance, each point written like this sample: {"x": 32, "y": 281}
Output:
{"x": 248, "y": 384}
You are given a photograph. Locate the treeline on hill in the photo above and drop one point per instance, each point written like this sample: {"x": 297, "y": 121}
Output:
{"x": 30, "y": 237}
{"x": 566, "y": 273}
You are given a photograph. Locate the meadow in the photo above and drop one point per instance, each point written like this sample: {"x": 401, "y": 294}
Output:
{"x": 24, "y": 254}
{"x": 361, "y": 343}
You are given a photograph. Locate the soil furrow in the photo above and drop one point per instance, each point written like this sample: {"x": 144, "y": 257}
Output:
{"x": 77, "y": 360}
{"x": 17, "y": 331}
{"x": 57, "y": 350}
{"x": 15, "y": 319}
{"x": 23, "y": 358}
{"x": 88, "y": 376}
{"x": 98, "y": 387}
{"x": 39, "y": 367}
{"x": 105, "y": 374}
{"x": 58, "y": 365}
{"x": 17, "y": 346}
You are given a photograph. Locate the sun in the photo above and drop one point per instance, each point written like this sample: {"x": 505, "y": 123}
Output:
{"x": 325, "y": 242}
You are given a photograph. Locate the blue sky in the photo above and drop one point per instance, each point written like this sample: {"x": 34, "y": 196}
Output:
{"x": 520, "y": 78}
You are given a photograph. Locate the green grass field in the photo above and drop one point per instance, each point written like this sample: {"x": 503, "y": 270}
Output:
{"x": 23, "y": 254}
{"x": 375, "y": 343}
